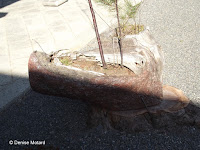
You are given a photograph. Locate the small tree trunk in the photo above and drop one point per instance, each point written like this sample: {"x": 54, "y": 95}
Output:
{"x": 97, "y": 34}
{"x": 119, "y": 38}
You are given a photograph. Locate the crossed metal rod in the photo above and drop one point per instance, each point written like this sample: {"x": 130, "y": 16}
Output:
{"x": 98, "y": 37}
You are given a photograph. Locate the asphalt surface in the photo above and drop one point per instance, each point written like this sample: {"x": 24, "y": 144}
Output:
{"x": 175, "y": 26}
{"x": 61, "y": 122}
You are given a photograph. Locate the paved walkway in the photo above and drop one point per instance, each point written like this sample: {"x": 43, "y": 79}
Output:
{"x": 25, "y": 23}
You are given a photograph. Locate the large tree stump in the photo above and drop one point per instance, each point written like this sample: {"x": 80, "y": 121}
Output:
{"x": 141, "y": 54}
{"x": 120, "y": 102}
{"x": 169, "y": 113}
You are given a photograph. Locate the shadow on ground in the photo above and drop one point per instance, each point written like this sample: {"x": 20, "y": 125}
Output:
{"x": 12, "y": 87}
{"x": 3, "y": 14}
{"x": 4, "y": 3}
{"x": 61, "y": 122}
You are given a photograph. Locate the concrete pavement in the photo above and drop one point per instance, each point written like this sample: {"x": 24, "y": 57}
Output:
{"x": 25, "y": 23}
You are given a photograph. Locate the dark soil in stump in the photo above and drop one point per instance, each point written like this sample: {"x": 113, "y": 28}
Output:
{"x": 90, "y": 64}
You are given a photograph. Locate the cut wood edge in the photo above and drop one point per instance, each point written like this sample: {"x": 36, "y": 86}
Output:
{"x": 173, "y": 100}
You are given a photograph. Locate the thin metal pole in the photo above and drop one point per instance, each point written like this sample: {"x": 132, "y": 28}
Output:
{"x": 97, "y": 34}
{"x": 119, "y": 37}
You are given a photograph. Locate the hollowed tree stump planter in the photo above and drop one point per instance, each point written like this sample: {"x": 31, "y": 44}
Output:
{"x": 128, "y": 102}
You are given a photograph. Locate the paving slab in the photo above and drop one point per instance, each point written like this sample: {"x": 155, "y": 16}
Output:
{"x": 5, "y": 68}
{"x": 53, "y": 2}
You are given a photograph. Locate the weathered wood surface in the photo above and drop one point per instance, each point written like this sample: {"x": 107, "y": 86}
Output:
{"x": 141, "y": 54}
{"x": 136, "y": 102}
{"x": 109, "y": 92}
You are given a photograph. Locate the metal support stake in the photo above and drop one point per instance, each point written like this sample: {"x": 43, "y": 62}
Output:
{"x": 119, "y": 37}
{"x": 97, "y": 34}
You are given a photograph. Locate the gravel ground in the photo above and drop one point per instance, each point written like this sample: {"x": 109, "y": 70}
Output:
{"x": 61, "y": 122}
{"x": 175, "y": 25}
